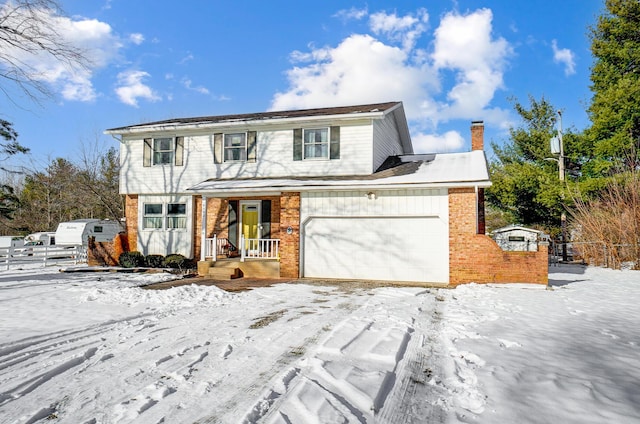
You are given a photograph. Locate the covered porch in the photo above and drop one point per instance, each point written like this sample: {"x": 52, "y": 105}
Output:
{"x": 245, "y": 234}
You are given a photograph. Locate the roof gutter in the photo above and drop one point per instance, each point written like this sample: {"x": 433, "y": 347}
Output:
{"x": 274, "y": 190}
{"x": 138, "y": 129}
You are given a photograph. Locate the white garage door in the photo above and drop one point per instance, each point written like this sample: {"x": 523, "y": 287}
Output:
{"x": 397, "y": 249}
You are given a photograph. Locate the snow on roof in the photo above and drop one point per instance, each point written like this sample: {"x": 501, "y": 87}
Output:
{"x": 515, "y": 227}
{"x": 446, "y": 169}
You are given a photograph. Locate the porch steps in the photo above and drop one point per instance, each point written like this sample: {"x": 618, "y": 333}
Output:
{"x": 224, "y": 273}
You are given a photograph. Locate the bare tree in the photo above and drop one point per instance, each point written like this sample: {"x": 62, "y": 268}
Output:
{"x": 27, "y": 32}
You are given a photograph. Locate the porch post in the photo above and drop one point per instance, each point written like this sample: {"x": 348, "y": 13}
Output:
{"x": 203, "y": 232}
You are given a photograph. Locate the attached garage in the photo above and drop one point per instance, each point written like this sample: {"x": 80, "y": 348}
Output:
{"x": 398, "y": 236}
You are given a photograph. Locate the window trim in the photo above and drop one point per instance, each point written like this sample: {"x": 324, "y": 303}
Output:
{"x": 169, "y": 216}
{"x": 326, "y": 143}
{"x": 243, "y": 149}
{"x": 163, "y": 218}
{"x": 155, "y": 216}
{"x": 171, "y": 151}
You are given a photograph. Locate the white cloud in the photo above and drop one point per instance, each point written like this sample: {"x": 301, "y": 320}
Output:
{"x": 432, "y": 143}
{"x": 95, "y": 38}
{"x": 199, "y": 89}
{"x": 187, "y": 58}
{"x": 131, "y": 88}
{"x": 136, "y": 38}
{"x": 452, "y": 73}
{"x": 565, "y": 57}
{"x": 463, "y": 44}
{"x": 406, "y": 29}
{"x": 359, "y": 70}
{"x": 353, "y": 13}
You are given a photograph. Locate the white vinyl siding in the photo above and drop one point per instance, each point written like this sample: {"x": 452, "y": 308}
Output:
{"x": 387, "y": 139}
{"x": 175, "y": 233}
{"x": 273, "y": 159}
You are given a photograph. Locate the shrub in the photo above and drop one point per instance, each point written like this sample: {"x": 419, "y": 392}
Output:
{"x": 175, "y": 261}
{"x": 154, "y": 261}
{"x": 131, "y": 259}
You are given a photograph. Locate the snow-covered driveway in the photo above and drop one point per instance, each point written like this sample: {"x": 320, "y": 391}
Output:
{"x": 75, "y": 349}
{"x": 95, "y": 348}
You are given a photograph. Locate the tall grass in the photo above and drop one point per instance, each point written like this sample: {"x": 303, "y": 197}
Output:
{"x": 606, "y": 229}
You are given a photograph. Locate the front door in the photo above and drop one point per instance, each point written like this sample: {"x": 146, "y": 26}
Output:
{"x": 250, "y": 224}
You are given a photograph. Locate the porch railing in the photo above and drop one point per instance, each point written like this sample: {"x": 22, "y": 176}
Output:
{"x": 248, "y": 248}
{"x": 259, "y": 248}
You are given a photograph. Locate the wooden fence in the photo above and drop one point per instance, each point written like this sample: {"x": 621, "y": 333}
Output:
{"x": 42, "y": 255}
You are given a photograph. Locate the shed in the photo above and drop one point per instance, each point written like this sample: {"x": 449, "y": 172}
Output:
{"x": 517, "y": 238}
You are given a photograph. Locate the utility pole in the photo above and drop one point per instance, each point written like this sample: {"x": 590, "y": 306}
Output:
{"x": 563, "y": 217}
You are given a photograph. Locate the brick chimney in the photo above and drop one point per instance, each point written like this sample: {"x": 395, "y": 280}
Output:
{"x": 477, "y": 135}
{"x": 477, "y": 143}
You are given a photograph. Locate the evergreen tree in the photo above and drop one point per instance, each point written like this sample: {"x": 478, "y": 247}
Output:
{"x": 526, "y": 183}
{"x": 615, "y": 77}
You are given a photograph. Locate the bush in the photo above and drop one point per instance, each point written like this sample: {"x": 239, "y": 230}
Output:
{"x": 154, "y": 261}
{"x": 131, "y": 259}
{"x": 175, "y": 261}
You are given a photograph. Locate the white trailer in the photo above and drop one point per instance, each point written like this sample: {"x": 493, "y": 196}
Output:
{"x": 74, "y": 233}
{"x": 13, "y": 242}
{"x": 41, "y": 238}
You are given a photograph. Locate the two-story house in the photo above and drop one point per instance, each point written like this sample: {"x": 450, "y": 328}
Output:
{"x": 323, "y": 193}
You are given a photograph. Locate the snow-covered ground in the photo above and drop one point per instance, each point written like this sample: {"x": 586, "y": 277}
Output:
{"x": 96, "y": 348}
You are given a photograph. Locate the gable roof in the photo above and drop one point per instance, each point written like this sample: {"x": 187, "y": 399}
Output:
{"x": 203, "y": 121}
{"x": 418, "y": 171}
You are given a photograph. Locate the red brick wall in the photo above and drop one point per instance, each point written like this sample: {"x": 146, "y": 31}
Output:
{"x": 477, "y": 258}
{"x": 290, "y": 243}
{"x": 197, "y": 225}
{"x": 131, "y": 216}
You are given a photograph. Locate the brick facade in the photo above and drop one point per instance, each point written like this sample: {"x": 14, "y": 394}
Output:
{"x": 131, "y": 215}
{"x": 290, "y": 243}
{"x": 477, "y": 258}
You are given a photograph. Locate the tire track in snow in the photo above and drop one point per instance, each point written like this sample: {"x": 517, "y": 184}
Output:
{"x": 29, "y": 363}
{"x": 35, "y": 382}
{"x": 369, "y": 357}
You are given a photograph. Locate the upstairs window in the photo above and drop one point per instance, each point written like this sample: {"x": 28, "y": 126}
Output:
{"x": 316, "y": 143}
{"x": 235, "y": 147}
{"x": 163, "y": 151}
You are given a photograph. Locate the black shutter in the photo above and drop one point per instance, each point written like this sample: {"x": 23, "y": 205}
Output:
{"x": 146, "y": 154}
{"x": 297, "y": 144}
{"x": 179, "y": 151}
{"x": 217, "y": 148}
{"x": 265, "y": 219}
{"x": 233, "y": 222}
{"x": 334, "y": 147}
{"x": 251, "y": 146}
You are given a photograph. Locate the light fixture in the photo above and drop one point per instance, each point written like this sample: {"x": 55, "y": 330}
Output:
{"x": 371, "y": 195}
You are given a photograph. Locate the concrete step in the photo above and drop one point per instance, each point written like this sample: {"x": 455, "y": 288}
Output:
{"x": 224, "y": 273}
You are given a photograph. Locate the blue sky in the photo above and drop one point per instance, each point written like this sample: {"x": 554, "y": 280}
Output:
{"x": 450, "y": 62}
